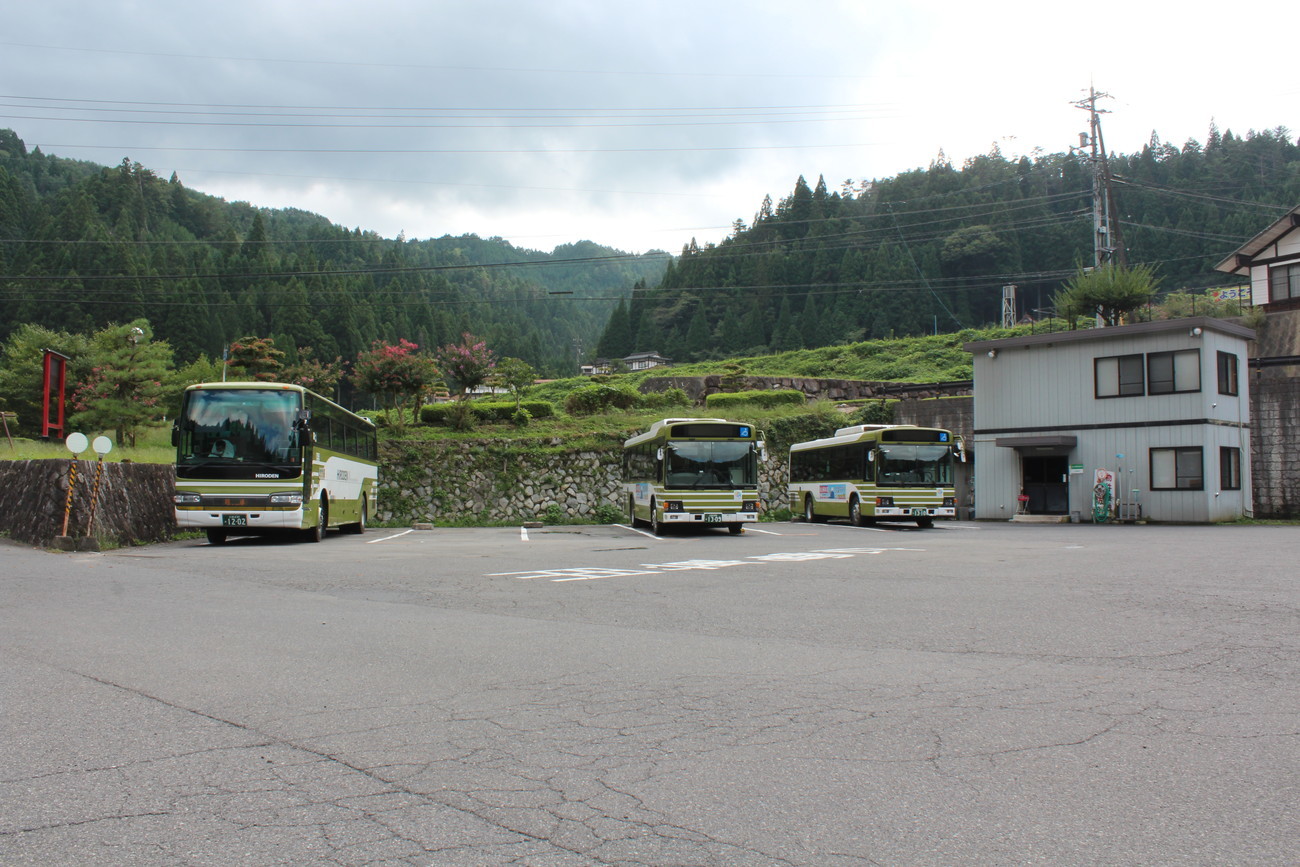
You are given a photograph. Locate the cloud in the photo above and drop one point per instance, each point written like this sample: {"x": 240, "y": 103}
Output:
{"x": 639, "y": 126}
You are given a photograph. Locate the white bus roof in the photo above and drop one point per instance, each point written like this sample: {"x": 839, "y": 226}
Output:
{"x": 852, "y": 434}
{"x": 657, "y": 427}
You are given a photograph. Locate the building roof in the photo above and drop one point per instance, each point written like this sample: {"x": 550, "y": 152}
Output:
{"x": 1207, "y": 323}
{"x": 1240, "y": 260}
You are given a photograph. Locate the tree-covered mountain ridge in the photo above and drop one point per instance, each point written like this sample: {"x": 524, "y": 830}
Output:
{"x": 930, "y": 250}
{"x": 83, "y": 246}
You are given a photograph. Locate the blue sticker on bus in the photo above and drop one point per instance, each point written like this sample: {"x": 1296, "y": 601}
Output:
{"x": 744, "y": 430}
{"x": 943, "y": 437}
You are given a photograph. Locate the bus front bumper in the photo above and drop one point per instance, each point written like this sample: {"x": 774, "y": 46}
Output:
{"x": 709, "y": 517}
{"x": 240, "y": 522}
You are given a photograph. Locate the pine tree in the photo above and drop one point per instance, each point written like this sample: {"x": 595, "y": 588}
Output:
{"x": 124, "y": 389}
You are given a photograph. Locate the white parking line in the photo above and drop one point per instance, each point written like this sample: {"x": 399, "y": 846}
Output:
{"x": 642, "y": 532}
{"x": 387, "y": 538}
{"x": 756, "y": 530}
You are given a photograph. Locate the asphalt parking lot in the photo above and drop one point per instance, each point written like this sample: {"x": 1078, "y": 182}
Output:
{"x": 798, "y": 695}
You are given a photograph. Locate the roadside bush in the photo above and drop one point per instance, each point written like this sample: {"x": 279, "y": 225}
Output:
{"x": 591, "y": 399}
{"x": 488, "y": 412}
{"x": 607, "y": 513}
{"x": 664, "y": 399}
{"x": 768, "y": 398}
{"x": 877, "y": 412}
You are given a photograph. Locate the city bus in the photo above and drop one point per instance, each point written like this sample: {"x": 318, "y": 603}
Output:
{"x": 260, "y": 458}
{"x": 693, "y": 471}
{"x": 866, "y": 472}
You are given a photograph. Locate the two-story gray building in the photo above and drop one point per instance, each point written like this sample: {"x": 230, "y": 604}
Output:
{"x": 1161, "y": 408}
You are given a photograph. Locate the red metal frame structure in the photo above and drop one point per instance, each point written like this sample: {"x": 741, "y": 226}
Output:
{"x": 55, "y": 375}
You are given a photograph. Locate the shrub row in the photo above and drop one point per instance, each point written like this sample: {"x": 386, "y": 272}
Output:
{"x": 769, "y": 398}
{"x": 486, "y": 411}
{"x": 599, "y": 397}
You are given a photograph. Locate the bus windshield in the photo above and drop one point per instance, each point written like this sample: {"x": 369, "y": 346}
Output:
{"x": 710, "y": 465}
{"x": 231, "y": 426}
{"x": 913, "y": 465}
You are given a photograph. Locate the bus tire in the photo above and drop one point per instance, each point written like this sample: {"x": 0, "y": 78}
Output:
{"x": 360, "y": 526}
{"x": 925, "y": 523}
{"x": 656, "y": 525}
{"x": 632, "y": 519}
{"x": 855, "y": 513}
{"x": 809, "y": 512}
{"x": 216, "y": 537}
{"x": 735, "y": 529}
{"x": 317, "y": 533}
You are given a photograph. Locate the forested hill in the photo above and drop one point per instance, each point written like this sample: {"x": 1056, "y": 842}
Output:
{"x": 82, "y": 246}
{"x": 932, "y": 248}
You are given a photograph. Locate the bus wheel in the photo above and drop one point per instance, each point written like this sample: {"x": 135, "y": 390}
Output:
{"x": 317, "y": 533}
{"x": 216, "y": 537}
{"x": 855, "y": 513}
{"x": 656, "y": 526}
{"x": 631, "y": 512}
{"x": 809, "y": 514}
{"x": 735, "y": 529}
{"x": 925, "y": 523}
{"x": 360, "y": 526}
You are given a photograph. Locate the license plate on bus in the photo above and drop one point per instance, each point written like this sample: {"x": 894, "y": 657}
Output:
{"x": 918, "y": 513}
{"x": 713, "y": 519}
{"x": 234, "y": 520}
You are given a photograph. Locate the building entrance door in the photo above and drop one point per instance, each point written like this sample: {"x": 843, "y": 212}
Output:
{"x": 1046, "y": 483}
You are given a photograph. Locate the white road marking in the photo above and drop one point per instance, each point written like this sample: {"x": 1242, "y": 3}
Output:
{"x": 388, "y": 538}
{"x": 642, "y": 532}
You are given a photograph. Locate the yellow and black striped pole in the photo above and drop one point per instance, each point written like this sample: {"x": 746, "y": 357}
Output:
{"x": 72, "y": 482}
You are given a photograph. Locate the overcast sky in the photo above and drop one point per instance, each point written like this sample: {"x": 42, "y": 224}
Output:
{"x": 636, "y": 125}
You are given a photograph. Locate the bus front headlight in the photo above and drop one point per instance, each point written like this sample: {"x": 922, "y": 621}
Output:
{"x": 288, "y": 498}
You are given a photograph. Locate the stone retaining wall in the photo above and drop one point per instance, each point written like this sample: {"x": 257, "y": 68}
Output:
{"x": 1275, "y": 442}
{"x": 699, "y": 387}
{"x": 134, "y": 502}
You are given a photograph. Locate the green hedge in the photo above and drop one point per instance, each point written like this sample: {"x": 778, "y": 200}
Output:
{"x": 487, "y": 411}
{"x": 769, "y": 398}
{"x": 601, "y": 397}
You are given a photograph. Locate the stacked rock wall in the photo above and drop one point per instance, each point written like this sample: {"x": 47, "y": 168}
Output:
{"x": 133, "y": 505}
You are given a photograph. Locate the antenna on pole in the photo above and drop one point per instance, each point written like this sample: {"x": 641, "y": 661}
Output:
{"x": 1107, "y": 240}
{"x": 1009, "y": 306}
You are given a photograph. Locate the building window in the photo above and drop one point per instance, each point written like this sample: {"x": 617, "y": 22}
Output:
{"x": 1174, "y": 372}
{"x": 1176, "y": 470}
{"x": 1229, "y": 468}
{"x": 1284, "y": 282}
{"x": 1227, "y": 373}
{"x": 1120, "y": 376}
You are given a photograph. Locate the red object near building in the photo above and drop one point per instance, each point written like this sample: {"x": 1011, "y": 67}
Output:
{"x": 53, "y": 382}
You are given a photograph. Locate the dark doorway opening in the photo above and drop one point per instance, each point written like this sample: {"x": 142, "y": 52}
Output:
{"x": 1046, "y": 483}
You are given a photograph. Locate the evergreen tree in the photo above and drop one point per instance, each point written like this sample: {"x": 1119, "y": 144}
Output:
{"x": 125, "y": 386}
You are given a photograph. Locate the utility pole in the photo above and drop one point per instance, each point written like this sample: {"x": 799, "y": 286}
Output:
{"x": 1107, "y": 241}
{"x": 1009, "y": 306}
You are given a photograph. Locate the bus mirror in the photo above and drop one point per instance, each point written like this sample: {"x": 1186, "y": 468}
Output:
{"x": 762, "y": 450}
{"x": 176, "y": 433}
{"x": 871, "y": 454}
{"x": 659, "y": 455}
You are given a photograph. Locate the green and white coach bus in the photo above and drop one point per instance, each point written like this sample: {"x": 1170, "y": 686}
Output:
{"x": 865, "y": 472}
{"x": 693, "y": 471}
{"x": 258, "y": 458}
